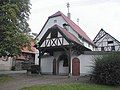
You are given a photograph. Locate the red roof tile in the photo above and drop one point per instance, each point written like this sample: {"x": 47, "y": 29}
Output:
{"x": 75, "y": 27}
{"x": 68, "y": 34}
{"x": 32, "y": 49}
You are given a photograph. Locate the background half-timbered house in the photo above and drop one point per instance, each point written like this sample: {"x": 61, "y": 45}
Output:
{"x": 105, "y": 42}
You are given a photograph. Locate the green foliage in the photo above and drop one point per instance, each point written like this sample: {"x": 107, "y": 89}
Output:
{"x": 13, "y": 26}
{"x": 81, "y": 86}
{"x": 34, "y": 69}
{"x": 13, "y": 68}
{"x": 106, "y": 69}
{"x": 4, "y": 78}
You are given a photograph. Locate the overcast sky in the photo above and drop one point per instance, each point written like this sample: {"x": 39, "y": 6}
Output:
{"x": 93, "y": 14}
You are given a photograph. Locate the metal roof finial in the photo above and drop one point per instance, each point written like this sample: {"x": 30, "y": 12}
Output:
{"x": 68, "y": 14}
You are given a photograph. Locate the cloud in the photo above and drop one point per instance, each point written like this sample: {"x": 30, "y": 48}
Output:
{"x": 93, "y": 14}
{"x": 91, "y": 2}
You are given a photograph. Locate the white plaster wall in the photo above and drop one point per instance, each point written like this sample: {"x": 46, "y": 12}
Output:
{"x": 62, "y": 70}
{"x": 6, "y": 65}
{"x": 85, "y": 64}
{"x": 36, "y": 57}
{"x": 86, "y": 44}
{"x": 50, "y": 23}
{"x": 47, "y": 65}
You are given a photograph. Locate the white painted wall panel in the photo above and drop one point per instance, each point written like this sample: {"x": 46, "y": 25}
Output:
{"x": 6, "y": 65}
{"x": 43, "y": 44}
{"x": 36, "y": 58}
{"x": 47, "y": 65}
{"x": 62, "y": 70}
{"x": 85, "y": 64}
{"x": 59, "y": 35}
{"x": 65, "y": 42}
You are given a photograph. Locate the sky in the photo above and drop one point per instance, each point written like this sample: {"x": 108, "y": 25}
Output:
{"x": 93, "y": 15}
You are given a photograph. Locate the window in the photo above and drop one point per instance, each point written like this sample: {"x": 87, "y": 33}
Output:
{"x": 64, "y": 58}
{"x": 65, "y": 63}
{"x": 102, "y": 48}
{"x": 54, "y": 34}
{"x": 110, "y": 42}
{"x": 55, "y": 21}
{"x": 112, "y": 48}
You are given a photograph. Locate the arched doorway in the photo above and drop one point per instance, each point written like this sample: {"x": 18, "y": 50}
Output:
{"x": 62, "y": 64}
{"x": 75, "y": 67}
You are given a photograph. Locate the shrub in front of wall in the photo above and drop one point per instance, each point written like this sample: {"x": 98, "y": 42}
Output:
{"x": 13, "y": 68}
{"x": 106, "y": 69}
{"x": 34, "y": 69}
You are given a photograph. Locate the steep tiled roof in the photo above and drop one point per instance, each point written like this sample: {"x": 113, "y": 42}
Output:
{"x": 32, "y": 49}
{"x": 75, "y": 27}
{"x": 69, "y": 35}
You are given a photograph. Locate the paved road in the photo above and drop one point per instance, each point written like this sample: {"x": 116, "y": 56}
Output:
{"x": 24, "y": 80}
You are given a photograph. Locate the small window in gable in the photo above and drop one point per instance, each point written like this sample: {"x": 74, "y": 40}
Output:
{"x": 110, "y": 42}
{"x": 55, "y": 21}
{"x": 54, "y": 34}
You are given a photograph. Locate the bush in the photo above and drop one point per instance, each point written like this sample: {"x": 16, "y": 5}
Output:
{"x": 13, "y": 68}
{"x": 35, "y": 69}
{"x": 106, "y": 69}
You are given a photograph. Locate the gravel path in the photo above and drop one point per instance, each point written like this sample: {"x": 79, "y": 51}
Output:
{"x": 24, "y": 80}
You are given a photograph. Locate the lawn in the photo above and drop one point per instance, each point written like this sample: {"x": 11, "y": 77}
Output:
{"x": 4, "y": 78}
{"x": 82, "y": 86}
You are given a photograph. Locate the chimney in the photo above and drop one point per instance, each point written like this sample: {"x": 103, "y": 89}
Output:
{"x": 68, "y": 14}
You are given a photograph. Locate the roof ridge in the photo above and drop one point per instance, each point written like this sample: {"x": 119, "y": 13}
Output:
{"x": 58, "y": 13}
{"x": 73, "y": 25}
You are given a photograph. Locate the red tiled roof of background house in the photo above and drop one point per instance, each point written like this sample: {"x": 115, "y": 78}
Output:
{"x": 32, "y": 49}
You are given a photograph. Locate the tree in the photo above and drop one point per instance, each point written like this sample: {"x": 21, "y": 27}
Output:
{"x": 106, "y": 69}
{"x": 13, "y": 25}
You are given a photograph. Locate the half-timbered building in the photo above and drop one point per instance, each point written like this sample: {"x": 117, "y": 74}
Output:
{"x": 60, "y": 42}
{"x": 106, "y": 42}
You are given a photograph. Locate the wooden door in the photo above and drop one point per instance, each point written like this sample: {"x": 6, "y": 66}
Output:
{"x": 75, "y": 67}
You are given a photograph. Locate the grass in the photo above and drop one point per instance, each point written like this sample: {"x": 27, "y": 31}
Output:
{"x": 4, "y": 78}
{"x": 82, "y": 86}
